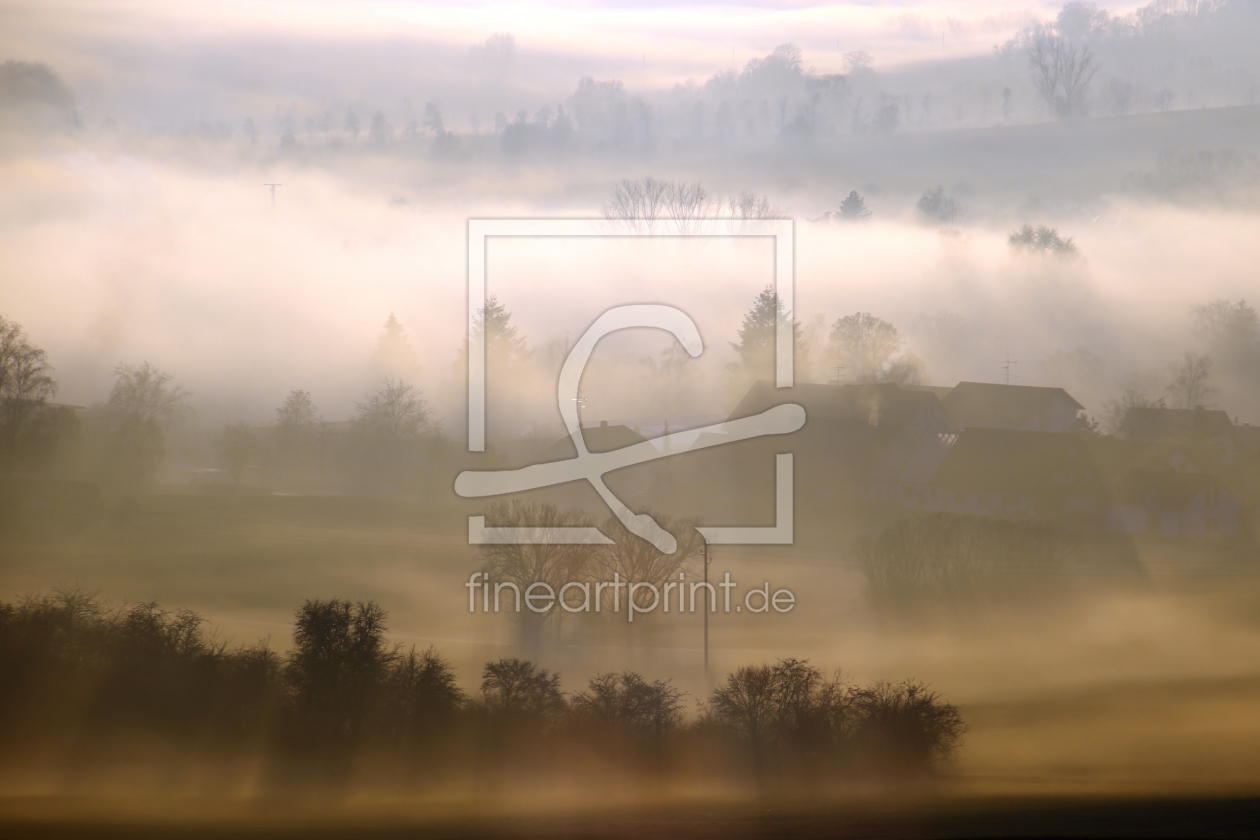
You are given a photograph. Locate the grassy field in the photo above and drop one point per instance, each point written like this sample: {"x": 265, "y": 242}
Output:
{"x": 1146, "y": 692}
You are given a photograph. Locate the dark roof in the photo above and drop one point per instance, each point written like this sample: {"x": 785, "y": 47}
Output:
{"x": 1010, "y": 406}
{"x": 941, "y": 391}
{"x": 1176, "y": 423}
{"x": 1008, "y": 460}
{"x": 601, "y": 438}
{"x": 875, "y": 405}
{"x": 1163, "y": 489}
{"x": 1116, "y": 457}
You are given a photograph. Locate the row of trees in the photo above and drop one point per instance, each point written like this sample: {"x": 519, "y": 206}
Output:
{"x": 860, "y": 348}
{"x": 629, "y": 557}
{"x": 92, "y": 690}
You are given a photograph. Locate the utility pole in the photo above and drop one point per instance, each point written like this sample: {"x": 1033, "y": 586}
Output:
{"x": 273, "y": 193}
{"x": 706, "y": 609}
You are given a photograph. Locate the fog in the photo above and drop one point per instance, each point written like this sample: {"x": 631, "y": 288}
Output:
{"x": 240, "y": 238}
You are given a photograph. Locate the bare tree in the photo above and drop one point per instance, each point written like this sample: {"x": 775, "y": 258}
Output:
{"x": 638, "y": 205}
{"x": 1191, "y": 385}
{"x": 934, "y": 205}
{"x": 635, "y": 560}
{"x": 512, "y": 568}
{"x": 1062, "y": 71}
{"x": 688, "y": 206}
{"x": 627, "y": 703}
{"x": 142, "y": 403}
{"x": 25, "y": 384}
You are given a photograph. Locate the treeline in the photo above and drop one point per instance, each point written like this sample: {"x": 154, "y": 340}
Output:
{"x": 91, "y": 693}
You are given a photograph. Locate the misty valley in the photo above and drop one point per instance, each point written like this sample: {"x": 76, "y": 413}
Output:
{"x": 844, "y": 421}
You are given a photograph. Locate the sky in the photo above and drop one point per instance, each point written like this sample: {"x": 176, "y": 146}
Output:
{"x": 646, "y": 45}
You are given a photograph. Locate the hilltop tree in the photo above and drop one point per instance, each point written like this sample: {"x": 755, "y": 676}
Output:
{"x": 1061, "y": 71}
{"x": 379, "y": 131}
{"x": 25, "y": 385}
{"x": 852, "y": 209}
{"x": 756, "y": 345}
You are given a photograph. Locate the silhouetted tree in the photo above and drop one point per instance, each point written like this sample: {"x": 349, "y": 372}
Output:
{"x": 935, "y": 205}
{"x": 141, "y": 404}
{"x": 1191, "y": 385}
{"x": 1062, "y": 71}
{"x": 628, "y": 708}
{"x": 1115, "y": 413}
{"x": 25, "y": 384}
{"x": 523, "y": 565}
{"x": 852, "y": 209}
{"x": 1041, "y": 240}
{"x": 636, "y": 560}
{"x": 337, "y": 668}
{"x": 394, "y": 357}
{"x": 757, "y": 333}
{"x": 872, "y": 350}
{"x": 906, "y": 728}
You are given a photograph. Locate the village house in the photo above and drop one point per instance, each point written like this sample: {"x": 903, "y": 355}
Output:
{"x": 1028, "y": 408}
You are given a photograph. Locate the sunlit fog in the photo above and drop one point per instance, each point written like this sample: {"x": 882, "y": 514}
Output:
{"x": 914, "y": 480}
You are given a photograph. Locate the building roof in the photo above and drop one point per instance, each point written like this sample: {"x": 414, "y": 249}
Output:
{"x": 985, "y": 404}
{"x": 884, "y": 405}
{"x": 1176, "y": 423}
{"x": 1162, "y": 489}
{"x": 1117, "y": 457}
{"x": 601, "y": 438}
{"x": 1008, "y": 460}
